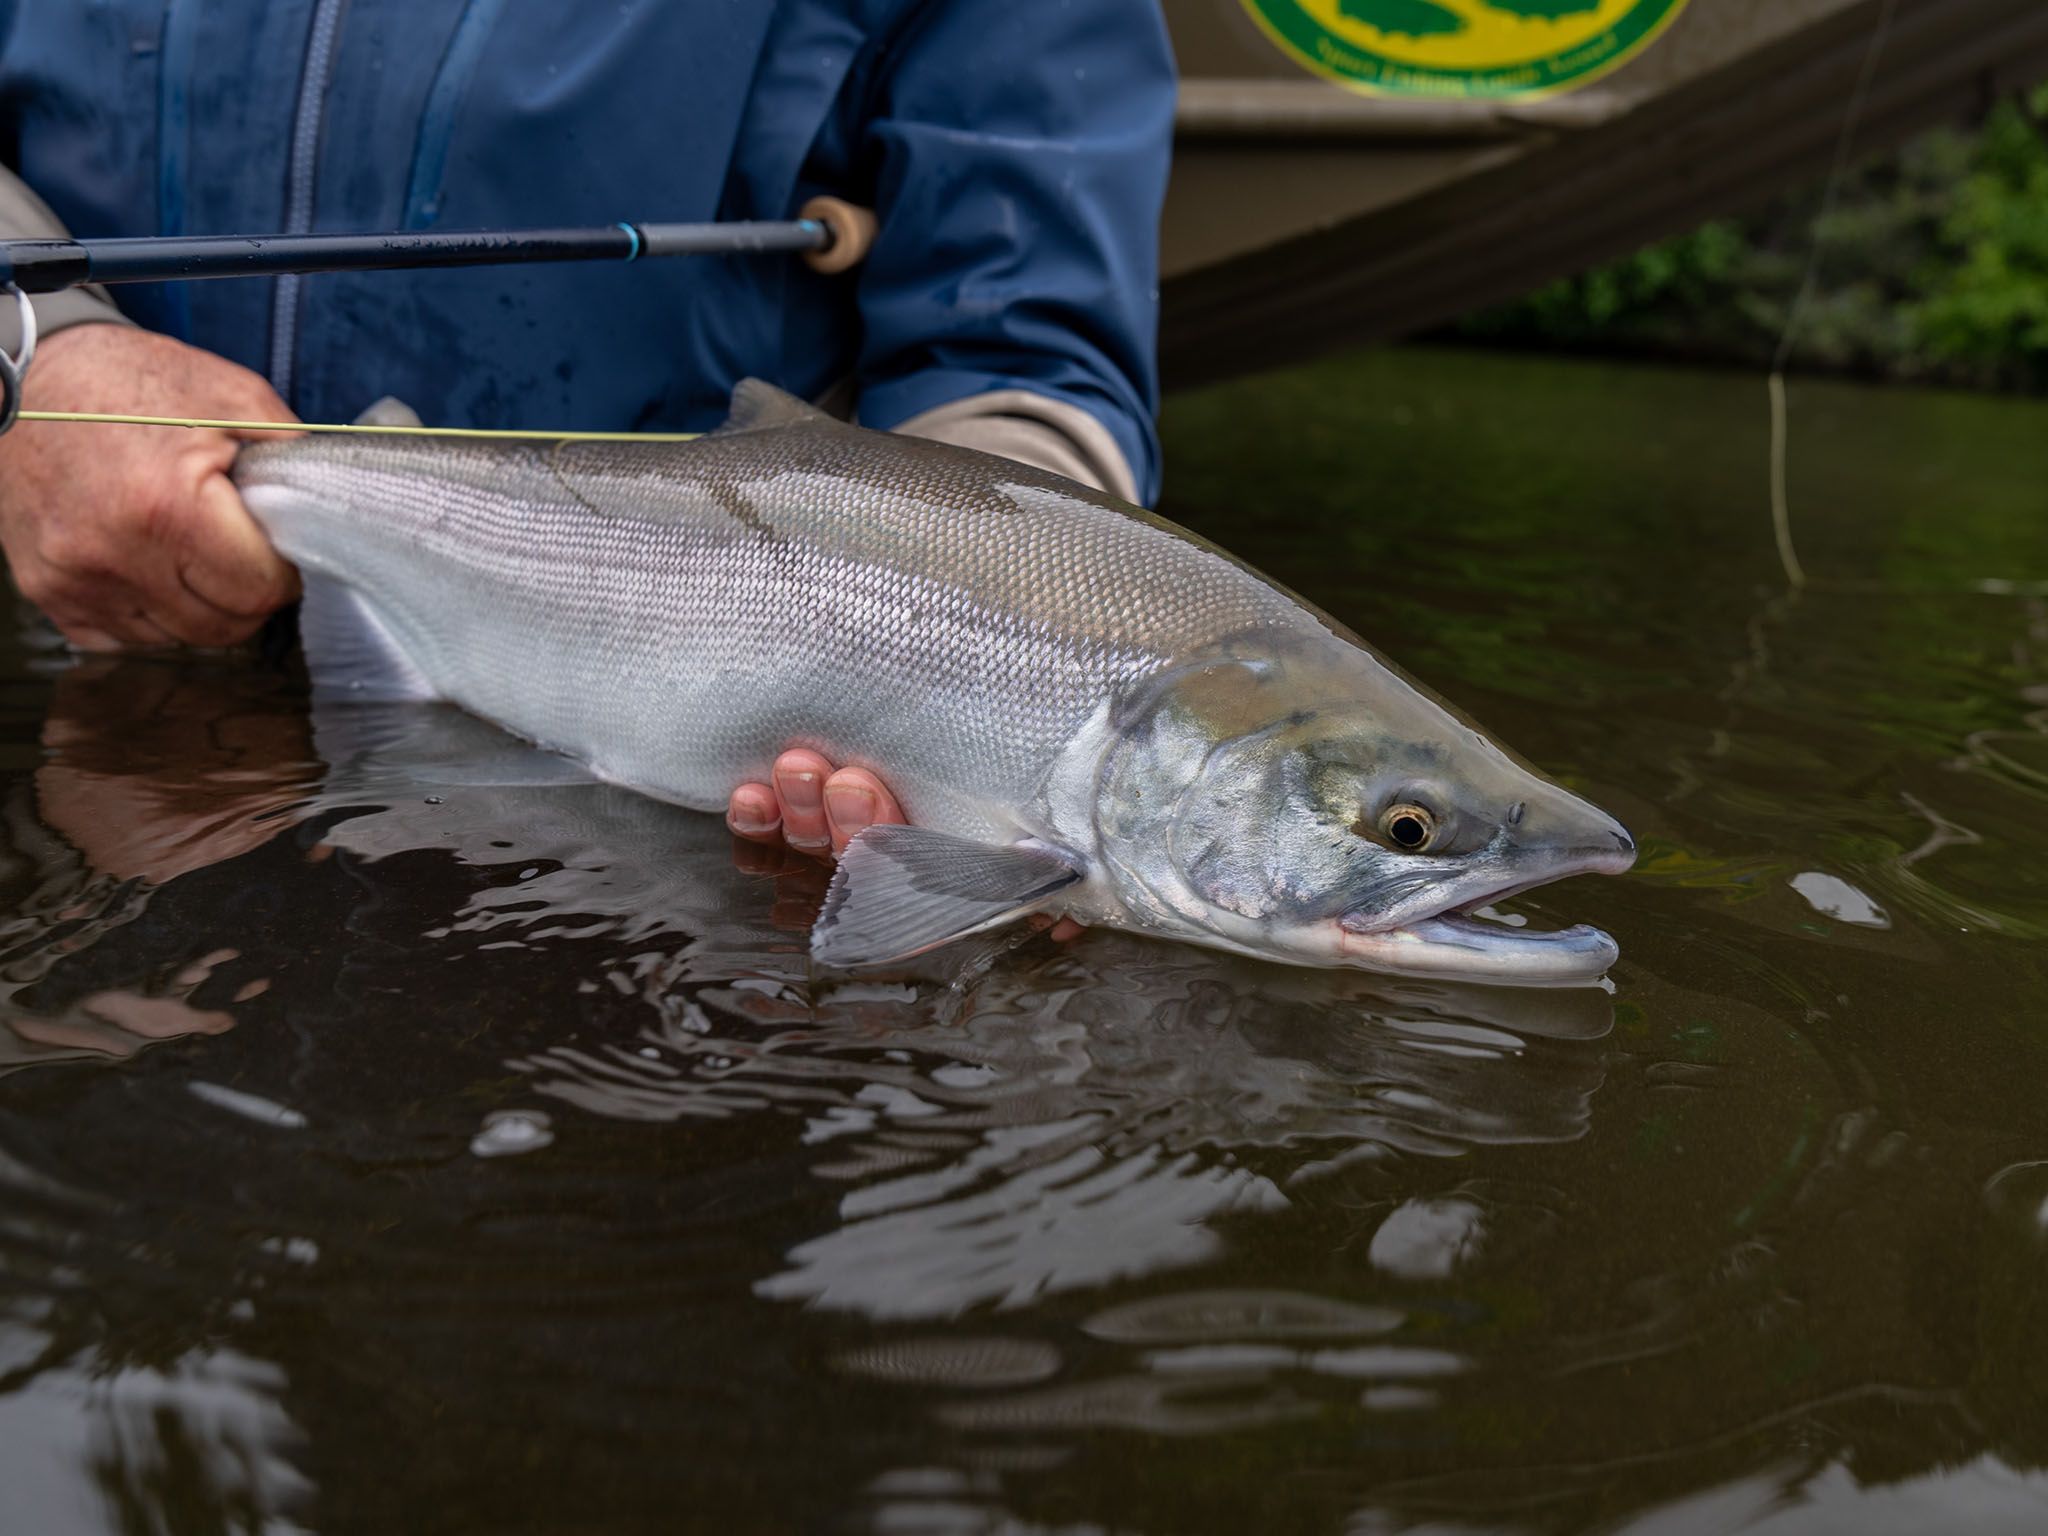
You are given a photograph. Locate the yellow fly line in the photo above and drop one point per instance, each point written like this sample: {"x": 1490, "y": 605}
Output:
{"x": 366, "y": 428}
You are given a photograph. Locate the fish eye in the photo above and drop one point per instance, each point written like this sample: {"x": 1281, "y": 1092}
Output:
{"x": 1408, "y": 826}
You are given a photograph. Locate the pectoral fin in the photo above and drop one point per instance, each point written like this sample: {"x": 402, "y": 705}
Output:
{"x": 900, "y": 891}
{"x": 349, "y": 651}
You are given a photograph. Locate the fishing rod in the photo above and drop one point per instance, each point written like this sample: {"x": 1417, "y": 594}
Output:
{"x": 830, "y": 234}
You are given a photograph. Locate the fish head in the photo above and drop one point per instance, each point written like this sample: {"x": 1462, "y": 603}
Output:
{"x": 1349, "y": 820}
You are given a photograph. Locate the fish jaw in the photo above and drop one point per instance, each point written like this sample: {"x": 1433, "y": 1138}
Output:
{"x": 1445, "y": 943}
{"x": 1456, "y": 947}
{"x": 1451, "y": 943}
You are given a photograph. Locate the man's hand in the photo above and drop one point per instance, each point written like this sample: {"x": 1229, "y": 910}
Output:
{"x": 135, "y": 536}
{"x": 814, "y": 807}
{"x": 811, "y": 806}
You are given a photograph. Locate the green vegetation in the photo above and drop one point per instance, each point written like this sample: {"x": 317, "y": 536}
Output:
{"x": 1422, "y": 18}
{"x": 1416, "y": 18}
{"x": 1933, "y": 266}
{"x": 1548, "y": 10}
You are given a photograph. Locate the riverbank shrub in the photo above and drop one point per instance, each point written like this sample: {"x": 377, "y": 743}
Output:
{"x": 1932, "y": 265}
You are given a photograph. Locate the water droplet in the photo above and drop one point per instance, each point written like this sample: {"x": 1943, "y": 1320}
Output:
{"x": 1427, "y": 1239}
{"x": 1832, "y": 896}
{"x": 298, "y": 1250}
{"x": 2018, "y": 1195}
{"x": 508, "y": 1132}
{"x": 249, "y": 1106}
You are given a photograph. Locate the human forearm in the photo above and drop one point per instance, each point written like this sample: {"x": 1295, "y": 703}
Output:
{"x": 1033, "y": 429}
{"x": 1018, "y": 249}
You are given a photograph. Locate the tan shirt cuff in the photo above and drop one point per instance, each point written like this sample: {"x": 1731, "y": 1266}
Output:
{"x": 24, "y": 216}
{"x": 1033, "y": 429}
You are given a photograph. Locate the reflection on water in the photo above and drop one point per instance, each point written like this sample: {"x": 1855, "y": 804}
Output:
{"x": 398, "y": 1131}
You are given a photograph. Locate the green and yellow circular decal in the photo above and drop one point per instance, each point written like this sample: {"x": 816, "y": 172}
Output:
{"x": 1499, "y": 48}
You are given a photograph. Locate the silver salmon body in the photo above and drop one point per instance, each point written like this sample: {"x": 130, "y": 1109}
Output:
{"x": 1082, "y": 708}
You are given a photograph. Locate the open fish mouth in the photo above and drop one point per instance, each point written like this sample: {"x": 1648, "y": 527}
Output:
{"x": 1456, "y": 944}
{"x": 1453, "y": 945}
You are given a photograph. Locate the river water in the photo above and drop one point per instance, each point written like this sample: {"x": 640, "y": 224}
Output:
{"x": 389, "y": 1144}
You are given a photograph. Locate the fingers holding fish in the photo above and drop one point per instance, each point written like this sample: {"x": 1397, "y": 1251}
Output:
{"x": 233, "y": 570}
{"x": 752, "y": 813}
{"x": 811, "y": 805}
{"x": 181, "y": 615}
{"x": 854, "y": 801}
{"x": 799, "y": 778}
{"x": 84, "y": 637}
{"x": 1057, "y": 929}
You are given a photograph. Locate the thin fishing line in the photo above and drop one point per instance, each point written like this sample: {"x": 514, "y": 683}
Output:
{"x": 1781, "y": 509}
{"x": 362, "y": 428}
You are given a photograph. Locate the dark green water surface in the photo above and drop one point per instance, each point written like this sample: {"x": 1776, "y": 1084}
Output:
{"x": 383, "y": 1152}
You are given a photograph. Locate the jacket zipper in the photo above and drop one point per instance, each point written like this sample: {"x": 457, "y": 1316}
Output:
{"x": 298, "y": 194}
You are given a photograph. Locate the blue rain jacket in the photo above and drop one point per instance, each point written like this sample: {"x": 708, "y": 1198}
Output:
{"x": 1015, "y": 150}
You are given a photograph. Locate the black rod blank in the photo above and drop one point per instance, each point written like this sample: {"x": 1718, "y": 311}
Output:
{"x": 46, "y": 266}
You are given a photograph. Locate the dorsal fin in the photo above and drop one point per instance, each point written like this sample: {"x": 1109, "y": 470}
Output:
{"x": 389, "y": 412}
{"x": 757, "y": 404}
